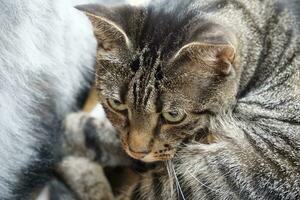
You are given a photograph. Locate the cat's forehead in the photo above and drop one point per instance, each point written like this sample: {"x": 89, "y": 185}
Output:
{"x": 148, "y": 56}
{"x": 146, "y": 65}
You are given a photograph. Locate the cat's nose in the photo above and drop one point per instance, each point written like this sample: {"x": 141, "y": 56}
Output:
{"x": 140, "y": 153}
{"x": 138, "y": 148}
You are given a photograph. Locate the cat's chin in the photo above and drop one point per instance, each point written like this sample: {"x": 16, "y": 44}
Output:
{"x": 149, "y": 158}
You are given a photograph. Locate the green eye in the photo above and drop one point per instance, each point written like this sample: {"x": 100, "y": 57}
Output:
{"x": 116, "y": 105}
{"x": 174, "y": 116}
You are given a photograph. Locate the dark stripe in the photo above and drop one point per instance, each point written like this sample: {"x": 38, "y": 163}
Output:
{"x": 147, "y": 96}
{"x": 266, "y": 126}
{"x": 206, "y": 188}
{"x": 262, "y": 151}
{"x": 266, "y": 49}
{"x": 190, "y": 126}
{"x": 136, "y": 193}
{"x": 279, "y": 134}
{"x": 135, "y": 95}
{"x": 158, "y": 101}
{"x": 289, "y": 35}
{"x": 240, "y": 5}
{"x": 91, "y": 137}
{"x": 159, "y": 75}
{"x": 254, "y": 103}
{"x": 256, "y": 184}
{"x": 215, "y": 6}
{"x": 200, "y": 134}
{"x": 186, "y": 190}
{"x": 157, "y": 186}
{"x": 282, "y": 68}
{"x": 283, "y": 122}
{"x": 231, "y": 181}
{"x": 123, "y": 92}
{"x": 141, "y": 85}
{"x": 142, "y": 167}
{"x": 135, "y": 65}
{"x": 286, "y": 77}
{"x": 283, "y": 153}
{"x": 222, "y": 4}
{"x": 143, "y": 34}
{"x": 156, "y": 130}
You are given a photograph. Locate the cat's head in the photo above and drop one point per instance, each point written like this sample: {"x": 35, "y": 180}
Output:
{"x": 161, "y": 78}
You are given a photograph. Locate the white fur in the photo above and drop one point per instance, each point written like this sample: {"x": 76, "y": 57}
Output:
{"x": 139, "y": 2}
{"x": 111, "y": 2}
{"x": 36, "y": 38}
{"x": 98, "y": 112}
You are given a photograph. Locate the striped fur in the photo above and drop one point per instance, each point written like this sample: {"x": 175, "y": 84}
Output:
{"x": 259, "y": 159}
{"x": 255, "y": 152}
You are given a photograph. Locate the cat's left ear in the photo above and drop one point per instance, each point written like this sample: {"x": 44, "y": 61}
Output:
{"x": 217, "y": 57}
{"x": 110, "y": 36}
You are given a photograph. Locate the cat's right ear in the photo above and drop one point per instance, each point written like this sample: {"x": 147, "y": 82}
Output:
{"x": 219, "y": 58}
{"x": 110, "y": 36}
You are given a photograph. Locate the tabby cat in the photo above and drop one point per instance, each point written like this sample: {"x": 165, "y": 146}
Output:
{"x": 209, "y": 90}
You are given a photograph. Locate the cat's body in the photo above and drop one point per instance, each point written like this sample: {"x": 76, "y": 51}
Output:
{"x": 43, "y": 77}
{"x": 253, "y": 112}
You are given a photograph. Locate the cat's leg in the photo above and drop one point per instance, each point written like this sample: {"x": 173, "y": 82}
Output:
{"x": 85, "y": 178}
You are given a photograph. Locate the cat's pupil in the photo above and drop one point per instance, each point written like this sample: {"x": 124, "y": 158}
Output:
{"x": 117, "y": 102}
{"x": 173, "y": 114}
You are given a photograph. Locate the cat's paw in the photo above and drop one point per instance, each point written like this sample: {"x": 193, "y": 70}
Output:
{"x": 74, "y": 137}
{"x": 85, "y": 178}
{"x": 96, "y": 139}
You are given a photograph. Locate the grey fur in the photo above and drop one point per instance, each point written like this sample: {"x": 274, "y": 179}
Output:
{"x": 46, "y": 57}
{"x": 260, "y": 157}
{"x": 81, "y": 130}
{"x": 256, "y": 153}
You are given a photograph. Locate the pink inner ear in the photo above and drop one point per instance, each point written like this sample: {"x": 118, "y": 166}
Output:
{"x": 224, "y": 67}
{"x": 217, "y": 58}
{"x": 227, "y": 54}
{"x": 226, "y": 58}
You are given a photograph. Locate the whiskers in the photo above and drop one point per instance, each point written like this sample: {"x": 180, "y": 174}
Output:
{"x": 104, "y": 68}
{"x": 172, "y": 173}
{"x": 168, "y": 166}
{"x": 201, "y": 183}
{"x": 100, "y": 77}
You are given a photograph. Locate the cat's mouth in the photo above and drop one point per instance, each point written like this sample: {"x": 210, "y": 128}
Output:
{"x": 150, "y": 157}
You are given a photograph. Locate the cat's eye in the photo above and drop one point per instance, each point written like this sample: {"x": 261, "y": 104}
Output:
{"x": 174, "y": 116}
{"x": 116, "y": 104}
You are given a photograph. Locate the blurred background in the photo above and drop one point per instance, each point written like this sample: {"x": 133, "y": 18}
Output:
{"x": 110, "y": 2}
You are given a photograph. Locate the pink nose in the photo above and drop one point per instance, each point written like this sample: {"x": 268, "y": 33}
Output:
{"x": 138, "y": 143}
{"x": 139, "y": 151}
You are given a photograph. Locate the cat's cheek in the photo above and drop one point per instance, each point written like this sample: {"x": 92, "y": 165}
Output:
{"x": 124, "y": 143}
